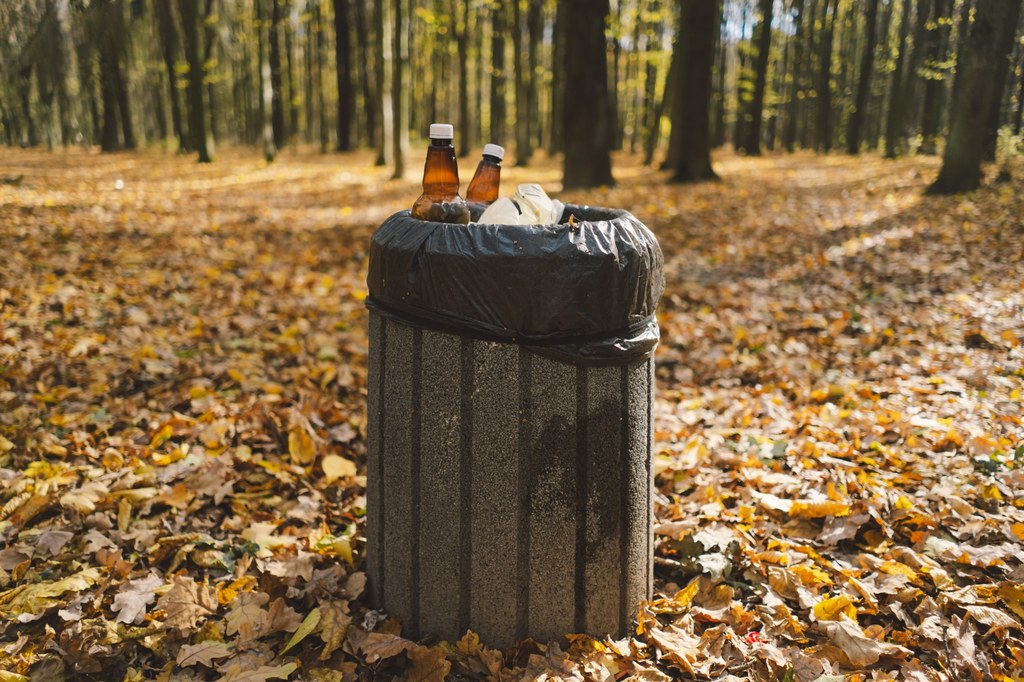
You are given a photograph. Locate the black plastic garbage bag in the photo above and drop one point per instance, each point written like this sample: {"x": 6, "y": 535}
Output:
{"x": 584, "y": 292}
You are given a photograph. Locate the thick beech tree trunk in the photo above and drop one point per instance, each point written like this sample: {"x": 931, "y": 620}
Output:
{"x": 750, "y": 140}
{"x": 197, "y": 125}
{"x": 585, "y": 113}
{"x": 867, "y": 64}
{"x": 979, "y": 62}
{"x": 691, "y": 101}
{"x": 343, "y": 62}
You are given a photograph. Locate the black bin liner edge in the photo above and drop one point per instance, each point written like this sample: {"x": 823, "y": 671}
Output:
{"x": 585, "y": 294}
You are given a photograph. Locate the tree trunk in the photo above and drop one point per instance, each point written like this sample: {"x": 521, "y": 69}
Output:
{"x": 369, "y": 84}
{"x": 585, "y": 114}
{"x": 698, "y": 21}
{"x": 652, "y": 105}
{"x": 867, "y": 64}
{"x": 750, "y": 143}
{"x": 169, "y": 42}
{"x": 1018, "y": 117}
{"x": 400, "y": 99}
{"x": 718, "y": 93}
{"x": 266, "y": 91}
{"x": 979, "y": 61}
{"x": 894, "y": 118}
{"x": 110, "y": 139}
{"x": 792, "y": 108}
{"x": 276, "y": 84}
{"x": 382, "y": 19}
{"x": 197, "y": 126}
{"x": 535, "y": 31}
{"x": 209, "y": 59}
{"x": 293, "y": 81}
{"x": 318, "y": 78}
{"x": 875, "y": 118}
{"x": 824, "y": 125}
{"x": 343, "y": 61}
{"x": 498, "y": 111}
{"x": 524, "y": 149}
{"x": 937, "y": 41}
{"x": 744, "y": 88}
{"x": 1007, "y": 33}
{"x": 556, "y": 141}
{"x": 462, "y": 44}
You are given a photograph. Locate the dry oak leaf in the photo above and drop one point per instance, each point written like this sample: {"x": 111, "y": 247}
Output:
{"x": 994, "y": 618}
{"x": 187, "y": 603}
{"x": 282, "y": 618}
{"x": 247, "y": 617}
{"x": 377, "y": 646}
{"x": 131, "y": 602}
{"x": 334, "y": 622}
{"x": 428, "y": 665}
{"x": 859, "y": 649}
{"x": 238, "y": 673}
{"x": 681, "y": 648}
{"x": 204, "y": 653}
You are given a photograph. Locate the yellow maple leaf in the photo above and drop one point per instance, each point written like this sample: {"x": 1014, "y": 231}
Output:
{"x": 831, "y": 608}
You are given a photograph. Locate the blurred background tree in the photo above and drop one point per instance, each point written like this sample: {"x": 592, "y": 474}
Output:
{"x": 882, "y": 75}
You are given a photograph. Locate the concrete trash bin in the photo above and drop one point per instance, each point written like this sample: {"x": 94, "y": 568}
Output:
{"x": 509, "y": 425}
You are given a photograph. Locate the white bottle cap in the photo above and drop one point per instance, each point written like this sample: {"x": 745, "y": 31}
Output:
{"x": 443, "y": 131}
{"x": 494, "y": 150}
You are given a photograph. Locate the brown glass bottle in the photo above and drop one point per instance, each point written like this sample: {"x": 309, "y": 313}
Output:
{"x": 483, "y": 188}
{"x": 440, "y": 201}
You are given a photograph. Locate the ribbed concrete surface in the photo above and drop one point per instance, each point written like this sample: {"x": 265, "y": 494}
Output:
{"x": 507, "y": 493}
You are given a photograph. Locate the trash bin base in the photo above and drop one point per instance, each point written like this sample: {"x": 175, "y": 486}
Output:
{"x": 507, "y": 493}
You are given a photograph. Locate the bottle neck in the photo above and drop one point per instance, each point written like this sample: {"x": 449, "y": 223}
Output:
{"x": 491, "y": 160}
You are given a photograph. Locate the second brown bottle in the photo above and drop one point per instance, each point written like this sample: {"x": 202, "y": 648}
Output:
{"x": 483, "y": 188}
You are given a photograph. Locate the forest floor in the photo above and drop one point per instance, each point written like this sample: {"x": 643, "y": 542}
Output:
{"x": 839, "y": 436}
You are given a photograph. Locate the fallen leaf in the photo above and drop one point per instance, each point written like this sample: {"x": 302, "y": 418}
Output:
{"x": 859, "y": 650}
{"x": 204, "y": 653}
{"x": 336, "y": 467}
{"x": 187, "y": 603}
{"x": 131, "y": 601}
{"x": 308, "y": 625}
{"x": 300, "y": 446}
